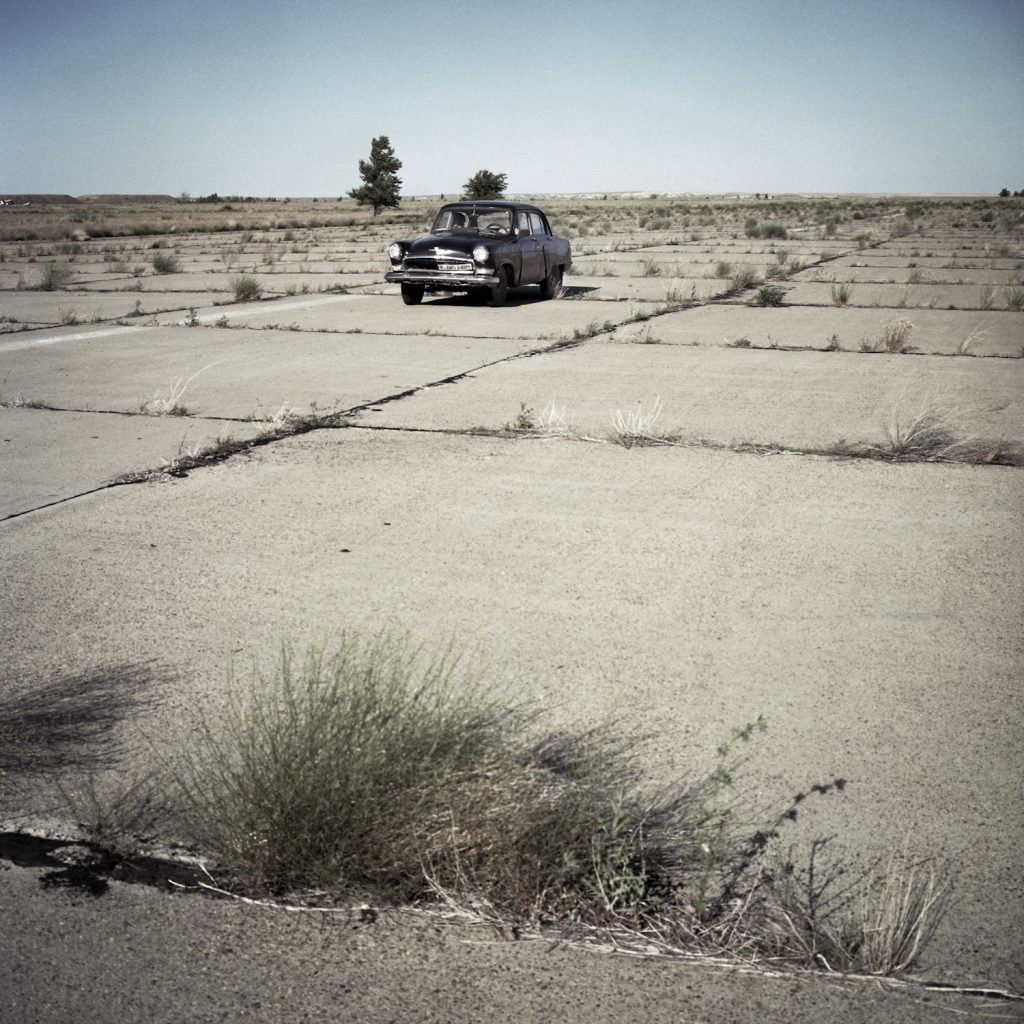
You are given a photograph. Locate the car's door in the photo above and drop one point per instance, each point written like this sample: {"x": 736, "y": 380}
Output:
{"x": 542, "y": 233}
{"x": 531, "y": 252}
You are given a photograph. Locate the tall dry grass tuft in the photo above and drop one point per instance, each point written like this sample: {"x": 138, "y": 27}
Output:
{"x": 903, "y": 906}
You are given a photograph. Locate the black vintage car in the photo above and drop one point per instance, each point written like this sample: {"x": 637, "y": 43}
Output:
{"x": 482, "y": 247}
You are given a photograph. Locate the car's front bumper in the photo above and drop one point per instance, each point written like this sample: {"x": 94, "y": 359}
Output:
{"x": 437, "y": 279}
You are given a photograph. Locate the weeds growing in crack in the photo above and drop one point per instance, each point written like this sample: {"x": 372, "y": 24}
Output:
{"x": 638, "y": 427}
{"x": 385, "y": 771}
{"x": 925, "y": 435}
{"x": 286, "y": 418}
{"x": 169, "y": 402}
{"x": 525, "y": 419}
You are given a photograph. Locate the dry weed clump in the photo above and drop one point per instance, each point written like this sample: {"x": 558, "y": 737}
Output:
{"x": 381, "y": 771}
{"x": 638, "y": 428}
{"x": 925, "y": 434}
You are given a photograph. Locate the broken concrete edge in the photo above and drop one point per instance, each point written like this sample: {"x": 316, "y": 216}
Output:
{"x": 80, "y": 863}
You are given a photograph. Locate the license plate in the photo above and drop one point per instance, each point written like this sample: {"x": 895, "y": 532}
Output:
{"x": 451, "y": 266}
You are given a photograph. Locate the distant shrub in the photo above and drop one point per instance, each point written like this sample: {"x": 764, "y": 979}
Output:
{"x": 165, "y": 263}
{"x": 896, "y": 333}
{"x": 769, "y": 295}
{"x": 774, "y": 231}
{"x": 246, "y": 288}
{"x": 55, "y": 276}
{"x": 841, "y": 292}
{"x": 745, "y": 277}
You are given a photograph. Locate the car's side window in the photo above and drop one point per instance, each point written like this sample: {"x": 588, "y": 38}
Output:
{"x": 524, "y": 222}
{"x": 538, "y": 224}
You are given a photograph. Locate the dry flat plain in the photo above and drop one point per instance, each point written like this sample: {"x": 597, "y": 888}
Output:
{"x": 666, "y": 498}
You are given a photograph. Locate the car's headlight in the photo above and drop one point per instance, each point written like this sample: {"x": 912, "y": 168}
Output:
{"x": 481, "y": 254}
{"x": 395, "y": 251}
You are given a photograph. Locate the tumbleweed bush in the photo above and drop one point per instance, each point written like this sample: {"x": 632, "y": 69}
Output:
{"x": 378, "y": 768}
{"x": 382, "y": 771}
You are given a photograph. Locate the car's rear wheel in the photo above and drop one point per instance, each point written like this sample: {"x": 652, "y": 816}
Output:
{"x": 499, "y": 293}
{"x": 412, "y": 294}
{"x": 552, "y": 284}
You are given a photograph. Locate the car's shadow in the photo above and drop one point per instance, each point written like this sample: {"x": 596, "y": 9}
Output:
{"x": 525, "y": 296}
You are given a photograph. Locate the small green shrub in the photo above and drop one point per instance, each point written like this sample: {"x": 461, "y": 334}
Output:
{"x": 246, "y": 288}
{"x": 165, "y": 263}
{"x": 774, "y": 231}
{"x": 769, "y": 295}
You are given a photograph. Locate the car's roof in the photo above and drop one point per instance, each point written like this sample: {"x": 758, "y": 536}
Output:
{"x": 511, "y": 204}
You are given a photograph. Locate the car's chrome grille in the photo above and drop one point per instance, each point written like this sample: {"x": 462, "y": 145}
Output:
{"x": 443, "y": 264}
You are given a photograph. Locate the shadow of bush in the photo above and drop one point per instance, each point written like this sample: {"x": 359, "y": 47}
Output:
{"x": 70, "y": 722}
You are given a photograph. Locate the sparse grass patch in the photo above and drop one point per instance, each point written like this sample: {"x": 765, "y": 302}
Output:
{"x": 966, "y": 343}
{"x": 246, "y": 288}
{"x": 841, "y": 293}
{"x": 638, "y": 427}
{"x": 1015, "y": 297}
{"x": 525, "y": 419}
{"x": 926, "y": 435}
{"x": 876, "y": 923}
{"x": 55, "y": 276}
{"x": 168, "y": 403}
{"x": 744, "y": 277}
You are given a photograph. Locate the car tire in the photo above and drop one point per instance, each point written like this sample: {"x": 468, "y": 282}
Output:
{"x": 499, "y": 293}
{"x": 552, "y": 284}
{"x": 412, "y": 294}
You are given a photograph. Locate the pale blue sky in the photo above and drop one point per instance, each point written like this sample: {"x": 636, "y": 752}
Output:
{"x": 272, "y": 98}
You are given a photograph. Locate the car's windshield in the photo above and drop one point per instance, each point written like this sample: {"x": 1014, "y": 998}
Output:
{"x": 473, "y": 220}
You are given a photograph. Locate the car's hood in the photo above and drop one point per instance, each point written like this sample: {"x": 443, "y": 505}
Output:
{"x": 461, "y": 244}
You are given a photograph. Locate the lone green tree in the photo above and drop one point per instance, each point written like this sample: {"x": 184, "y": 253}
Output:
{"x": 485, "y": 185}
{"x": 381, "y": 183}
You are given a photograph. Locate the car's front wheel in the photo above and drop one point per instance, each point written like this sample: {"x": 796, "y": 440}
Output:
{"x": 499, "y": 293}
{"x": 412, "y": 294}
{"x": 552, "y": 284}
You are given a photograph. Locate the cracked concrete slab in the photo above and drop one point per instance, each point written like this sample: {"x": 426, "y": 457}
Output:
{"x": 796, "y": 399}
{"x": 526, "y": 316}
{"x": 895, "y": 296}
{"x": 994, "y": 332}
{"x": 869, "y": 610}
{"x": 50, "y": 456}
{"x": 51, "y": 307}
{"x": 239, "y": 373}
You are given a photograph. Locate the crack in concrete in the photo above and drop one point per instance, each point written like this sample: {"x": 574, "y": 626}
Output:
{"x": 89, "y": 867}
